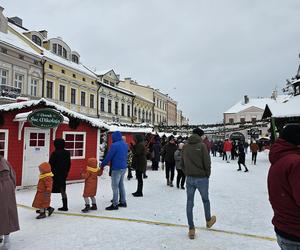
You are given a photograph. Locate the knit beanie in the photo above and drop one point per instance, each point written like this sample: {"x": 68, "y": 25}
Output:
{"x": 198, "y": 131}
{"x": 291, "y": 133}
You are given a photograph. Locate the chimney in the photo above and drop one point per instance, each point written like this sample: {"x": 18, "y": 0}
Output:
{"x": 17, "y": 21}
{"x": 246, "y": 99}
{"x": 44, "y": 33}
{"x": 3, "y": 21}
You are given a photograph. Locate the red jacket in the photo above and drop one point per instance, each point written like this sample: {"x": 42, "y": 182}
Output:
{"x": 227, "y": 146}
{"x": 284, "y": 187}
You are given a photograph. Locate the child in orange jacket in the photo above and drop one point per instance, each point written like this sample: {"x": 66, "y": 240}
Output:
{"x": 43, "y": 194}
{"x": 90, "y": 175}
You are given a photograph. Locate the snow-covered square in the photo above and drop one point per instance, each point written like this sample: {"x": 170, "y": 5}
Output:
{"x": 157, "y": 220}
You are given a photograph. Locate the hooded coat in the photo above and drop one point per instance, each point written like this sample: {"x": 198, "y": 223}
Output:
{"x": 284, "y": 187}
{"x": 60, "y": 162}
{"x": 139, "y": 154}
{"x": 42, "y": 198}
{"x": 9, "y": 221}
{"x": 195, "y": 158}
{"x": 91, "y": 178}
{"x": 117, "y": 154}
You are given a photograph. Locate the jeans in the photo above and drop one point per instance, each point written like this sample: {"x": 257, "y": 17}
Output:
{"x": 117, "y": 185}
{"x": 180, "y": 178}
{"x": 170, "y": 168}
{"x": 287, "y": 244}
{"x": 193, "y": 183}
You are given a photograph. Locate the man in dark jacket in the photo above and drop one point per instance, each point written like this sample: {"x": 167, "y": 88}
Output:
{"x": 196, "y": 165}
{"x": 140, "y": 162}
{"x": 170, "y": 160}
{"x": 117, "y": 156}
{"x": 60, "y": 162}
{"x": 284, "y": 187}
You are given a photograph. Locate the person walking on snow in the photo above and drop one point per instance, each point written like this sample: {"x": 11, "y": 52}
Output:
{"x": 180, "y": 174}
{"x": 196, "y": 165}
{"x": 227, "y": 147}
{"x": 284, "y": 187}
{"x": 117, "y": 156}
{"x": 254, "y": 148}
{"x": 242, "y": 157}
{"x": 9, "y": 221}
{"x": 140, "y": 161}
{"x": 90, "y": 176}
{"x": 170, "y": 161}
{"x": 60, "y": 162}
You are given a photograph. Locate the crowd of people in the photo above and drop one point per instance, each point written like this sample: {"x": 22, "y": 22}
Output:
{"x": 191, "y": 159}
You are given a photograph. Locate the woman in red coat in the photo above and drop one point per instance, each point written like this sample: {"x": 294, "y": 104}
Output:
{"x": 90, "y": 185}
{"x": 42, "y": 198}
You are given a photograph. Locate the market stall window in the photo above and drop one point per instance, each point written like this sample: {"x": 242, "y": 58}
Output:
{"x": 37, "y": 140}
{"x": 75, "y": 144}
{"x": 3, "y": 142}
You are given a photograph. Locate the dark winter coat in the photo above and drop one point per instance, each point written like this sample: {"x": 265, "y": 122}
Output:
{"x": 156, "y": 151}
{"x": 284, "y": 187}
{"x": 60, "y": 162}
{"x": 241, "y": 154}
{"x": 8, "y": 208}
{"x": 195, "y": 158}
{"x": 170, "y": 150}
{"x": 139, "y": 154}
{"x": 117, "y": 154}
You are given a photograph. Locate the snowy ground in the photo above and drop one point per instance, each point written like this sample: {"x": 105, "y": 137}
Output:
{"x": 238, "y": 199}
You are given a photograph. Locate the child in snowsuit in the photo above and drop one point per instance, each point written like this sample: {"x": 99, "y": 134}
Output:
{"x": 242, "y": 158}
{"x": 43, "y": 194}
{"x": 90, "y": 185}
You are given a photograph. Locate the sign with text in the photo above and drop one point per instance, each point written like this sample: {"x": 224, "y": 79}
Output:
{"x": 45, "y": 118}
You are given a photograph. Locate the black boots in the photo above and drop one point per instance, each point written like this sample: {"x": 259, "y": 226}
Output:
{"x": 65, "y": 205}
{"x": 86, "y": 209}
{"x": 137, "y": 194}
{"x": 112, "y": 207}
{"x": 94, "y": 207}
{"x": 42, "y": 215}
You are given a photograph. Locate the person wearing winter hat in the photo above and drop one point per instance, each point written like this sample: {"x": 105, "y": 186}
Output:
{"x": 90, "y": 175}
{"x": 196, "y": 166}
{"x": 284, "y": 186}
{"x": 43, "y": 194}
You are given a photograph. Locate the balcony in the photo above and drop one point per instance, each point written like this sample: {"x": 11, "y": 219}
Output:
{"x": 9, "y": 91}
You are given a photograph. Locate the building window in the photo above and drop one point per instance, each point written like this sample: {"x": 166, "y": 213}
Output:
{"x": 74, "y": 76}
{"x": 54, "y": 48}
{"x": 82, "y": 98}
{"x": 3, "y": 77}
{"x": 4, "y": 50}
{"x": 36, "y": 62}
{"x": 19, "y": 79}
{"x": 75, "y": 59}
{"x": 50, "y": 66}
{"x": 64, "y": 53}
{"x": 37, "y": 40}
{"x": 116, "y": 108}
{"x": 75, "y": 144}
{"x": 150, "y": 117}
{"x": 143, "y": 114}
{"x": 59, "y": 50}
{"x": 123, "y": 109}
{"x": 63, "y": 71}
{"x": 253, "y": 119}
{"x": 33, "y": 87}
{"x": 242, "y": 120}
{"x": 105, "y": 81}
{"x": 83, "y": 79}
{"x": 112, "y": 84}
{"x": 92, "y": 97}
{"x": 21, "y": 57}
{"x": 109, "y": 106}
{"x": 62, "y": 92}
{"x": 147, "y": 115}
{"x": 102, "y": 104}
{"x": 3, "y": 142}
{"x": 128, "y": 110}
{"x": 135, "y": 111}
{"x": 37, "y": 140}
{"x": 139, "y": 114}
{"x": 231, "y": 120}
{"x": 49, "y": 89}
{"x": 73, "y": 96}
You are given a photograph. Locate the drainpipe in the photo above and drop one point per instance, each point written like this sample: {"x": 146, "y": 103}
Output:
{"x": 98, "y": 90}
{"x": 132, "y": 107}
{"x": 43, "y": 80}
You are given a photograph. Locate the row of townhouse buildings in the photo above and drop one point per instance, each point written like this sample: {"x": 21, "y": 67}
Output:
{"x": 34, "y": 66}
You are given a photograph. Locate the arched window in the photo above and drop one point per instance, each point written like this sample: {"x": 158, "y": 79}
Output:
{"x": 64, "y": 53}
{"x": 135, "y": 111}
{"x": 75, "y": 59}
{"x": 37, "y": 40}
{"x": 139, "y": 113}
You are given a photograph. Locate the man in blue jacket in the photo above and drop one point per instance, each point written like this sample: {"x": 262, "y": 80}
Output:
{"x": 117, "y": 156}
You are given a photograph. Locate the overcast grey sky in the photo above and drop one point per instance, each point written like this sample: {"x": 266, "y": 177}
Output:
{"x": 207, "y": 54}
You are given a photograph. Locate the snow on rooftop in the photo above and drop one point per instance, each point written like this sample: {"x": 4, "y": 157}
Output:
{"x": 102, "y": 72}
{"x": 126, "y": 91}
{"x": 21, "y": 105}
{"x": 289, "y": 108}
{"x": 255, "y": 102}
